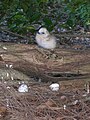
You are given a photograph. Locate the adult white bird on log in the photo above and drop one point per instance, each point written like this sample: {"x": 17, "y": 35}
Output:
{"x": 45, "y": 40}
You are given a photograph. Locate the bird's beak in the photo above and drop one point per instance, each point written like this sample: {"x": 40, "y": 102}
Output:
{"x": 38, "y": 32}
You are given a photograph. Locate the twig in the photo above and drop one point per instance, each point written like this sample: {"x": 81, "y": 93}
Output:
{"x": 74, "y": 35}
{"x": 18, "y": 35}
{"x": 57, "y": 35}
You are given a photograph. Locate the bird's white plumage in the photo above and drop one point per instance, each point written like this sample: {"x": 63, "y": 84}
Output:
{"x": 45, "y": 39}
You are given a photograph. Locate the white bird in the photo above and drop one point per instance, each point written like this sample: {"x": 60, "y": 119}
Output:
{"x": 45, "y": 40}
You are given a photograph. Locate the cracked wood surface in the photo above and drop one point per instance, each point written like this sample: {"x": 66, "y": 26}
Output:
{"x": 31, "y": 61}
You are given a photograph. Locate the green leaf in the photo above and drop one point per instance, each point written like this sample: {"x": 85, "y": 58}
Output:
{"x": 47, "y": 21}
{"x": 35, "y": 17}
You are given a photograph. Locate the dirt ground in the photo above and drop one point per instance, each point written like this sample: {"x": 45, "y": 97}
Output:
{"x": 21, "y": 63}
{"x": 70, "y": 102}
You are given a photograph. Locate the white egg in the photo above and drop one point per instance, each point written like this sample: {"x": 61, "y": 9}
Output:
{"x": 23, "y": 88}
{"x": 54, "y": 87}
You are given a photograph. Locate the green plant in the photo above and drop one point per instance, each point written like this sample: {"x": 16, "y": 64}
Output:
{"x": 78, "y": 12}
{"x": 21, "y": 16}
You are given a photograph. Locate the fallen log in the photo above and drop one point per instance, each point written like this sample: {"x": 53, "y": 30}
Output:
{"x": 20, "y": 61}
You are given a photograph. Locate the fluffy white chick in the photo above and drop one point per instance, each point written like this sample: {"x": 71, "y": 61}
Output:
{"x": 45, "y": 40}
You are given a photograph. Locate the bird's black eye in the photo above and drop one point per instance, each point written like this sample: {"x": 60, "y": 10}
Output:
{"x": 43, "y": 33}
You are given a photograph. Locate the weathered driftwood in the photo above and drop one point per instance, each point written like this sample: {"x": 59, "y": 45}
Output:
{"x": 20, "y": 61}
